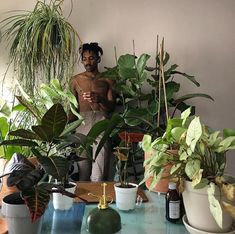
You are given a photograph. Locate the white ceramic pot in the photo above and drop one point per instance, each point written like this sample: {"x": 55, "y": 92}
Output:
{"x": 18, "y": 217}
{"x": 62, "y": 202}
{"x": 198, "y": 212}
{"x": 125, "y": 197}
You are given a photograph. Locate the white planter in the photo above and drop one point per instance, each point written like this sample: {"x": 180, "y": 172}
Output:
{"x": 18, "y": 217}
{"x": 62, "y": 202}
{"x": 125, "y": 197}
{"x": 198, "y": 212}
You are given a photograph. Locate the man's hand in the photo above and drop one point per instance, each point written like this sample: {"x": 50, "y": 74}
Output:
{"x": 91, "y": 97}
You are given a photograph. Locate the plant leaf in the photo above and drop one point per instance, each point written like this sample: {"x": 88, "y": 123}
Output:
{"x": 194, "y": 133}
{"x": 37, "y": 199}
{"x": 215, "y": 206}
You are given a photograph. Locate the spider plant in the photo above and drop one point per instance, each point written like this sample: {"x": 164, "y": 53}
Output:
{"x": 42, "y": 44}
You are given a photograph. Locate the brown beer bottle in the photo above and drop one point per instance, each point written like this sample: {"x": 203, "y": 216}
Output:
{"x": 172, "y": 203}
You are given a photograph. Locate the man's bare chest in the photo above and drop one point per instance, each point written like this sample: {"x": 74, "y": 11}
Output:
{"x": 94, "y": 85}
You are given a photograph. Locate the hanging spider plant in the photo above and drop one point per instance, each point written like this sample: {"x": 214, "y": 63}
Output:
{"x": 43, "y": 44}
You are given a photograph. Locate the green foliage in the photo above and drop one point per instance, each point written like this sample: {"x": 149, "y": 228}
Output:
{"x": 201, "y": 155}
{"x": 11, "y": 117}
{"x": 44, "y": 140}
{"x": 141, "y": 109}
{"x": 42, "y": 44}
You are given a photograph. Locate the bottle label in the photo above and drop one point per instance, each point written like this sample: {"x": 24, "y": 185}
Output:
{"x": 174, "y": 209}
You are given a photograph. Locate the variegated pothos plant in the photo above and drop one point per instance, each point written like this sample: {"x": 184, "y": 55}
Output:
{"x": 201, "y": 157}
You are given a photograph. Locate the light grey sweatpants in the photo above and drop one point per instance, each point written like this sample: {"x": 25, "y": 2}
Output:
{"x": 99, "y": 169}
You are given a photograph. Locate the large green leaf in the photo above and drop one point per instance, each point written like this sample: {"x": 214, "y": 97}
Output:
{"x": 44, "y": 132}
{"x": 37, "y": 199}
{"x": 32, "y": 108}
{"x": 110, "y": 73}
{"x": 146, "y": 143}
{"x": 55, "y": 119}
{"x": 190, "y": 78}
{"x": 228, "y": 132}
{"x": 194, "y": 133}
{"x": 153, "y": 108}
{"x": 71, "y": 127}
{"x": 55, "y": 166}
{"x": 4, "y": 108}
{"x": 126, "y": 61}
{"x": 24, "y": 134}
{"x": 113, "y": 122}
{"x": 141, "y": 63}
{"x": 192, "y": 168}
{"x": 192, "y": 95}
{"x": 134, "y": 117}
{"x": 98, "y": 128}
{"x": 4, "y": 127}
{"x": 127, "y": 73}
{"x": 46, "y": 90}
{"x": 171, "y": 88}
{"x": 19, "y": 142}
{"x": 215, "y": 206}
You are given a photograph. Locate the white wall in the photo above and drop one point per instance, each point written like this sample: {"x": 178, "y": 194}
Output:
{"x": 199, "y": 35}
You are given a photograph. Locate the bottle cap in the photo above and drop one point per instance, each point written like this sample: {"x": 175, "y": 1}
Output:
{"x": 172, "y": 185}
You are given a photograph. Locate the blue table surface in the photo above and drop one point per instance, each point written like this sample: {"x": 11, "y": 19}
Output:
{"x": 147, "y": 218}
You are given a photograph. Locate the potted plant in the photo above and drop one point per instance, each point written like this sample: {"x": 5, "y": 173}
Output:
{"x": 46, "y": 141}
{"x": 11, "y": 118}
{"x": 147, "y": 112}
{"x": 125, "y": 192}
{"x": 199, "y": 162}
{"x": 42, "y": 44}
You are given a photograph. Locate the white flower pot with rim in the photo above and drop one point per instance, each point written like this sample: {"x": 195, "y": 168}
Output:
{"x": 198, "y": 211}
{"x": 18, "y": 217}
{"x": 62, "y": 202}
{"x": 126, "y": 197}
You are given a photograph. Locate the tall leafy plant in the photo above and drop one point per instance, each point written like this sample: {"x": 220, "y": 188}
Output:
{"x": 42, "y": 44}
{"x": 147, "y": 111}
{"x": 46, "y": 140}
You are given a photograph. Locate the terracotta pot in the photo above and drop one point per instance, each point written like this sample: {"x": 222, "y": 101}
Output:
{"x": 131, "y": 136}
{"x": 162, "y": 185}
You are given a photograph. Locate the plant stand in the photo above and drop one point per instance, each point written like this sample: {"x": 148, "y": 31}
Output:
{"x": 18, "y": 216}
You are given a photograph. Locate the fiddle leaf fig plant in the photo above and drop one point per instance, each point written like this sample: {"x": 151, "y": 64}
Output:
{"x": 201, "y": 156}
{"x": 142, "y": 110}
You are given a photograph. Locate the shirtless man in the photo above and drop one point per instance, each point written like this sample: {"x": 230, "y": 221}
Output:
{"x": 96, "y": 100}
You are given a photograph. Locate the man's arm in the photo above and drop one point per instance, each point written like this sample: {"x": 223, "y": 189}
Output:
{"x": 108, "y": 104}
{"x": 105, "y": 102}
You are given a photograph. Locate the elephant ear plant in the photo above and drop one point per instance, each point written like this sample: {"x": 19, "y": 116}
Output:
{"x": 46, "y": 140}
{"x": 201, "y": 157}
